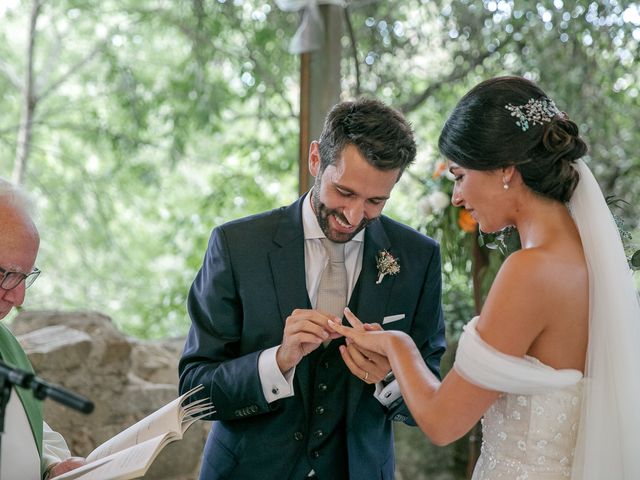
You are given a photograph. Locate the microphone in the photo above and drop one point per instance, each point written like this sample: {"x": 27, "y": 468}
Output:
{"x": 43, "y": 389}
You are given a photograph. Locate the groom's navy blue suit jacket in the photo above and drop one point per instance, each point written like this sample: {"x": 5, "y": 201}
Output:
{"x": 252, "y": 278}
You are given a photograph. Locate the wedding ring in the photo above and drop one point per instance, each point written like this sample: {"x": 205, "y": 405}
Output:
{"x": 365, "y": 376}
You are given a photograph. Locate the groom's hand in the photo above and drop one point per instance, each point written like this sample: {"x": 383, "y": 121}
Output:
{"x": 304, "y": 331}
{"x": 370, "y": 367}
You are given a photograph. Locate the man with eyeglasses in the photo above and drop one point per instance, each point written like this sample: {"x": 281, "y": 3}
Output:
{"x": 30, "y": 449}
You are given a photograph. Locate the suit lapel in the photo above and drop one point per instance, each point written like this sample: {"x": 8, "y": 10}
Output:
{"x": 372, "y": 298}
{"x": 287, "y": 262}
{"x": 289, "y": 278}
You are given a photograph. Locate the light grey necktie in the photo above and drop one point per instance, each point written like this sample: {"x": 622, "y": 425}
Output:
{"x": 332, "y": 291}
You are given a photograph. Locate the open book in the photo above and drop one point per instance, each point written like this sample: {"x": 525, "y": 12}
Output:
{"x": 131, "y": 452}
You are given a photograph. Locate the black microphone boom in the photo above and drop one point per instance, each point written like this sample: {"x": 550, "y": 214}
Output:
{"x": 43, "y": 389}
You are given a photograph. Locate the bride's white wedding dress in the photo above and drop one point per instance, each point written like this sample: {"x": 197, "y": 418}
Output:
{"x": 554, "y": 424}
{"x": 531, "y": 431}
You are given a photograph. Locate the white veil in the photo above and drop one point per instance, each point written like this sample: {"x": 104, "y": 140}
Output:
{"x": 609, "y": 432}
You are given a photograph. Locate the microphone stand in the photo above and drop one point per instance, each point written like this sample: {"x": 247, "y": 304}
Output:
{"x": 10, "y": 376}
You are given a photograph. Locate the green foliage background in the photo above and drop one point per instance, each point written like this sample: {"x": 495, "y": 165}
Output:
{"x": 157, "y": 120}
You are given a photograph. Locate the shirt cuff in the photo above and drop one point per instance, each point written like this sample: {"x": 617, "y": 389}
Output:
{"x": 275, "y": 385}
{"x": 388, "y": 394}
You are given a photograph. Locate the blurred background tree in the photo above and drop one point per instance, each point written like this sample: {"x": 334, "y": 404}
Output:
{"x": 140, "y": 125}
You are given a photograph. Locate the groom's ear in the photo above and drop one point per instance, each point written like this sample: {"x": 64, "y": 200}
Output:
{"x": 314, "y": 158}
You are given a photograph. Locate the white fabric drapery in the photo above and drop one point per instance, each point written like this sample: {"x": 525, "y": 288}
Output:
{"x": 310, "y": 33}
{"x": 609, "y": 433}
{"x": 481, "y": 364}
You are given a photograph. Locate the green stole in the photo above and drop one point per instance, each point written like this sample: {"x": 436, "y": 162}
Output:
{"x": 12, "y": 354}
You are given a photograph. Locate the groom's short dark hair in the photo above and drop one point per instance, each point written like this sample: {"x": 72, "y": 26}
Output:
{"x": 381, "y": 134}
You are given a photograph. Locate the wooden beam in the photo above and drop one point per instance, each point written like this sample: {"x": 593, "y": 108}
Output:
{"x": 319, "y": 87}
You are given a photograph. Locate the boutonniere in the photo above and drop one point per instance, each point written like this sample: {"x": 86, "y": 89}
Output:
{"x": 387, "y": 265}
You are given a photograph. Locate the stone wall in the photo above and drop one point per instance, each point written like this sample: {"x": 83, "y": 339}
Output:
{"x": 128, "y": 379}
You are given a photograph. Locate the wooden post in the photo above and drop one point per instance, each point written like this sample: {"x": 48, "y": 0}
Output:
{"x": 478, "y": 271}
{"x": 319, "y": 87}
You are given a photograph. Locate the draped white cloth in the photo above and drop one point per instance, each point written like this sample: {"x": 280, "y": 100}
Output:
{"x": 310, "y": 33}
{"x": 489, "y": 368}
{"x": 609, "y": 433}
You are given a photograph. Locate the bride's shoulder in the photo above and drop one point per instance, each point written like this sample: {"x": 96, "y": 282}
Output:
{"x": 543, "y": 267}
{"x": 526, "y": 264}
{"x": 529, "y": 291}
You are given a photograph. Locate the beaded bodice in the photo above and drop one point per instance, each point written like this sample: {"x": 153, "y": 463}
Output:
{"x": 530, "y": 432}
{"x": 530, "y": 436}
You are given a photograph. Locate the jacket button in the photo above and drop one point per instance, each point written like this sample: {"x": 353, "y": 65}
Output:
{"x": 320, "y": 410}
{"x": 298, "y": 436}
{"x": 322, "y": 387}
{"x": 318, "y": 434}
{"x": 315, "y": 454}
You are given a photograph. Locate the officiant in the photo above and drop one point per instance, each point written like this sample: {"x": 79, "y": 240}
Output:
{"x": 30, "y": 448}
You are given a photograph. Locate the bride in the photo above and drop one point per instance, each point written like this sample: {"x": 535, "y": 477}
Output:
{"x": 552, "y": 363}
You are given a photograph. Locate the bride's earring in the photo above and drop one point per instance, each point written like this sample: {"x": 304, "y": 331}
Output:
{"x": 505, "y": 184}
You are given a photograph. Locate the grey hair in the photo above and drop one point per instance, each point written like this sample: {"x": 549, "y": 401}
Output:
{"x": 15, "y": 196}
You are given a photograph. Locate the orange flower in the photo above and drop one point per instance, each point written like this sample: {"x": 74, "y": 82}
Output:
{"x": 440, "y": 169}
{"x": 466, "y": 221}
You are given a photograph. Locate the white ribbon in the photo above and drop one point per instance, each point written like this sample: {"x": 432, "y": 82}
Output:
{"x": 310, "y": 34}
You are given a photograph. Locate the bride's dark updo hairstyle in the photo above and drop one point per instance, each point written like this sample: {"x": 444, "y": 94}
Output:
{"x": 481, "y": 134}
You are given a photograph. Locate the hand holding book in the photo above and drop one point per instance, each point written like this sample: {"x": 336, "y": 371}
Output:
{"x": 131, "y": 452}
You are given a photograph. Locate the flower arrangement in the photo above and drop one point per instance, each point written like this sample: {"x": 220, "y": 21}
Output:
{"x": 466, "y": 222}
{"x": 387, "y": 265}
{"x": 438, "y": 202}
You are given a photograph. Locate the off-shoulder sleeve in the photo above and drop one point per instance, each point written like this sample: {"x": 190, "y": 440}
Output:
{"x": 484, "y": 366}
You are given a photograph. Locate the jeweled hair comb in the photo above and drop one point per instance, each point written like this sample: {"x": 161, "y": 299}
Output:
{"x": 536, "y": 111}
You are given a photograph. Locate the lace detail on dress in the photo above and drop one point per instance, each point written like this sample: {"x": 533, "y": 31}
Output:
{"x": 529, "y": 433}
{"x": 530, "y": 436}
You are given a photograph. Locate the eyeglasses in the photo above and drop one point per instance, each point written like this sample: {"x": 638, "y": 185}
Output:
{"x": 10, "y": 280}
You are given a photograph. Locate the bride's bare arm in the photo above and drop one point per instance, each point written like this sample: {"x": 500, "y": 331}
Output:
{"x": 524, "y": 313}
{"x": 444, "y": 412}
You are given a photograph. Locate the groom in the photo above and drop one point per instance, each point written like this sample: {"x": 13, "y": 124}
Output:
{"x": 287, "y": 407}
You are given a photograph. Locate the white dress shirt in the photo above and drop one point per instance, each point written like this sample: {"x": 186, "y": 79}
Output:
{"x": 275, "y": 385}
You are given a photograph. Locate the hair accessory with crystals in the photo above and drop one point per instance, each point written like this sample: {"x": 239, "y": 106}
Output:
{"x": 536, "y": 111}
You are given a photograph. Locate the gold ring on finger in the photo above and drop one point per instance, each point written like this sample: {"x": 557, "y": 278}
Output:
{"x": 366, "y": 376}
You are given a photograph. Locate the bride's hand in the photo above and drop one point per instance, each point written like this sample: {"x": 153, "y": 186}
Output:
{"x": 368, "y": 337}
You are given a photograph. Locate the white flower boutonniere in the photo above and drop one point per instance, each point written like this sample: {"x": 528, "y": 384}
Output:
{"x": 387, "y": 265}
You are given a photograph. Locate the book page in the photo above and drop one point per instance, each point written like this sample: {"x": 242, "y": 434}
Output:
{"x": 167, "y": 419}
{"x": 126, "y": 464}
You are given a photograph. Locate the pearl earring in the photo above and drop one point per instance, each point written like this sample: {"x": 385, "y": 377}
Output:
{"x": 505, "y": 184}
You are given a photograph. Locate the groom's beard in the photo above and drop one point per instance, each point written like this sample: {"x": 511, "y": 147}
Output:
{"x": 323, "y": 213}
